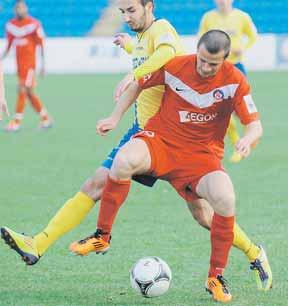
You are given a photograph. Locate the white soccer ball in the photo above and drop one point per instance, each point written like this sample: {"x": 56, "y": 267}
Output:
{"x": 150, "y": 276}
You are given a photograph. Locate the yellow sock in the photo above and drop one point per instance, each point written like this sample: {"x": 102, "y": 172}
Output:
{"x": 68, "y": 217}
{"x": 243, "y": 243}
{"x": 232, "y": 131}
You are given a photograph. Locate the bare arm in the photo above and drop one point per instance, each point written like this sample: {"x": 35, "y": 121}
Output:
{"x": 42, "y": 52}
{"x": 252, "y": 135}
{"x": 125, "y": 101}
{"x": 3, "y": 104}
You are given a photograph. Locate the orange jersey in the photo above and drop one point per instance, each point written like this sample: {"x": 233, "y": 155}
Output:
{"x": 195, "y": 111}
{"x": 25, "y": 35}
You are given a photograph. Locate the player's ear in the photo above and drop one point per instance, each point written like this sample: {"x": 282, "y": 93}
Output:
{"x": 149, "y": 6}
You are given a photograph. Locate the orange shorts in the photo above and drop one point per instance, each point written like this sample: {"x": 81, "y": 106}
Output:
{"x": 182, "y": 170}
{"x": 26, "y": 77}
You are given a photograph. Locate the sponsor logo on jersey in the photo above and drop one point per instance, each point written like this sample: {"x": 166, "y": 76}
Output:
{"x": 138, "y": 61}
{"x": 194, "y": 117}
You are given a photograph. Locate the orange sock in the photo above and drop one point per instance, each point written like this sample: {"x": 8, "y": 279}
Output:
{"x": 20, "y": 106}
{"x": 38, "y": 107}
{"x": 221, "y": 242}
{"x": 114, "y": 194}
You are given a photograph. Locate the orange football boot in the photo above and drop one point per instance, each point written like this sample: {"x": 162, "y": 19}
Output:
{"x": 218, "y": 287}
{"x": 94, "y": 243}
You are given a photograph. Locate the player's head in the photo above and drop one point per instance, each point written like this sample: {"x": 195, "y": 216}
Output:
{"x": 20, "y": 9}
{"x": 138, "y": 14}
{"x": 212, "y": 49}
{"x": 223, "y": 4}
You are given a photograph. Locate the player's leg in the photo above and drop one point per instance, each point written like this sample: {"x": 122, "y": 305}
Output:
{"x": 45, "y": 120}
{"x": 133, "y": 158}
{"x": 202, "y": 212}
{"x": 15, "y": 123}
{"x": 70, "y": 215}
{"x": 66, "y": 218}
{"x": 216, "y": 187}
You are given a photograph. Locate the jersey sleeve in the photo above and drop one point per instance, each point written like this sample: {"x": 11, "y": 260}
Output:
{"x": 39, "y": 34}
{"x": 152, "y": 79}
{"x": 244, "y": 105}
{"x": 164, "y": 35}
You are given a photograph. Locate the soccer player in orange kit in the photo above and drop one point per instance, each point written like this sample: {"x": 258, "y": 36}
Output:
{"x": 25, "y": 33}
{"x": 184, "y": 145}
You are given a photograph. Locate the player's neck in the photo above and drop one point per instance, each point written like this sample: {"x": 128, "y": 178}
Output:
{"x": 20, "y": 18}
{"x": 225, "y": 10}
{"x": 148, "y": 23}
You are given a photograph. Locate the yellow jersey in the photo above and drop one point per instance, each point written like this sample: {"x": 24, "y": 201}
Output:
{"x": 237, "y": 24}
{"x": 161, "y": 32}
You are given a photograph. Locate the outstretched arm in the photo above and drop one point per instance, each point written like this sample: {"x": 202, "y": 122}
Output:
{"x": 125, "y": 101}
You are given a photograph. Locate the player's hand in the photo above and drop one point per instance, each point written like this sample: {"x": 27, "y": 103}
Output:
{"x": 243, "y": 147}
{"x": 122, "y": 86}
{"x": 121, "y": 39}
{"x": 105, "y": 125}
{"x": 3, "y": 108}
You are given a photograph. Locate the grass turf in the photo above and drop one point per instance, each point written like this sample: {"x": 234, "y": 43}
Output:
{"x": 40, "y": 170}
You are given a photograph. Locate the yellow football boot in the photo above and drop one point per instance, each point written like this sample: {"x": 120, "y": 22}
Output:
{"x": 263, "y": 273}
{"x": 24, "y": 245}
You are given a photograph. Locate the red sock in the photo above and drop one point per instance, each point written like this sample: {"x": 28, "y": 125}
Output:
{"x": 221, "y": 241}
{"x": 38, "y": 107}
{"x": 114, "y": 194}
{"x": 20, "y": 106}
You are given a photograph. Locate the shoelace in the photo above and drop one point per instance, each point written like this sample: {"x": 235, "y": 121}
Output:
{"x": 82, "y": 241}
{"x": 256, "y": 265}
{"x": 97, "y": 234}
{"x": 224, "y": 283}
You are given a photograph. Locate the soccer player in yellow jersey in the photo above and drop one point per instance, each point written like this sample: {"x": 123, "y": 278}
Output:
{"x": 243, "y": 34}
{"x": 157, "y": 43}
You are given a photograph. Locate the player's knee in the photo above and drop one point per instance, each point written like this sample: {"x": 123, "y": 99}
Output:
{"x": 224, "y": 203}
{"x": 29, "y": 92}
{"x": 123, "y": 164}
{"x": 92, "y": 189}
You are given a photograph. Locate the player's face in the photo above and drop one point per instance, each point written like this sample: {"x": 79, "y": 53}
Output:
{"x": 21, "y": 10}
{"x": 222, "y": 4}
{"x": 208, "y": 64}
{"x": 134, "y": 13}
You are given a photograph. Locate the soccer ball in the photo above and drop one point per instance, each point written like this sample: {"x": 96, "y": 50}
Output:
{"x": 150, "y": 276}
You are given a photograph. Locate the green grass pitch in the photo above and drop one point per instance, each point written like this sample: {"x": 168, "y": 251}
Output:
{"x": 40, "y": 170}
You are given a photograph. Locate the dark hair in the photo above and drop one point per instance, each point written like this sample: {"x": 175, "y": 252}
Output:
{"x": 215, "y": 41}
{"x": 144, "y": 2}
{"x": 20, "y": 1}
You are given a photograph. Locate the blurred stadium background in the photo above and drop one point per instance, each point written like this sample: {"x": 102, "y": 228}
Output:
{"x": 39, "y": 171}
{"x": 84, "y": 25}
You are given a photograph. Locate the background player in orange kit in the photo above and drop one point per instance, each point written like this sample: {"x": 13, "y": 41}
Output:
{"x": 25, "y": 33}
